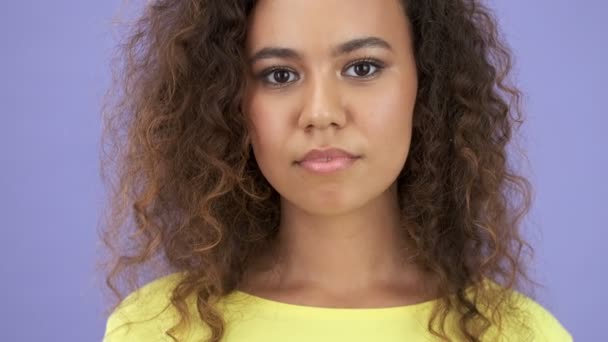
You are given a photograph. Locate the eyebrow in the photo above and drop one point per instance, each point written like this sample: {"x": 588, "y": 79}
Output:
{"x": 342, "y": 49}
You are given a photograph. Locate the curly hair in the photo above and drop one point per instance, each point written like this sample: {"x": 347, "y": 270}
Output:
{"x": 185, "y": 193}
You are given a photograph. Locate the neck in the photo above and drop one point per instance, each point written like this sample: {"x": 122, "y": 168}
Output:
{"x": 346, "y": 253}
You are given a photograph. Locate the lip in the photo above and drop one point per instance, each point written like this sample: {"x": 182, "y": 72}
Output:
{"x": 323, "y": 155}
{"x": 327, "y": 161}
{"x": 325, "y": 167}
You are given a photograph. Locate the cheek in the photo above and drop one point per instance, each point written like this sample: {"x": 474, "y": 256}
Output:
{"x": 386, "y": 117}
{"x": 267, "y": 126}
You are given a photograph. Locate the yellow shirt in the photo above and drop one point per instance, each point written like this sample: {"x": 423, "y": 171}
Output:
{"x": 256, "y": 319}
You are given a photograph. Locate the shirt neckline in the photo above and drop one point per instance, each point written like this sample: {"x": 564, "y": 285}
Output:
{"x": 276, "y": 308}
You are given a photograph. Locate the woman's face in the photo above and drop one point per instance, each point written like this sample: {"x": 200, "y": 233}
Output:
{"x": 330, "y": 73}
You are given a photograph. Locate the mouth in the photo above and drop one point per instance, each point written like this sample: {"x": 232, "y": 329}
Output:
{"x": 326, "y": 155}
{"x": 328, "y": 164}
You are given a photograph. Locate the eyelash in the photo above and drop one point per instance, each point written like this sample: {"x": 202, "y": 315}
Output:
{"x": 366, "y": 60}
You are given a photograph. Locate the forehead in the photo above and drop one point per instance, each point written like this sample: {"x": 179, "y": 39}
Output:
{"x": 320, "y": 23}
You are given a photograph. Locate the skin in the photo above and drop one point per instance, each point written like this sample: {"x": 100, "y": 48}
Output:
{"x": 339, "y": 233}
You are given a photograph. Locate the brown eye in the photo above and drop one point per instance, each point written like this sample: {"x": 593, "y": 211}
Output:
{"x": 277, "y": 77}
{"x": 281, "y": 76}
{"x": 364, "y": 68}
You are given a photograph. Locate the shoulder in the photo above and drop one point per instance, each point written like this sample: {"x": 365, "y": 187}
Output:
{"x": 145, "y": 314}
{"x": 545, "y": 325}
{"x": 533, "y": 322}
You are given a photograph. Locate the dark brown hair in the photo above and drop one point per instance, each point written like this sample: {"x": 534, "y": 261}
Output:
{"x": 185, "y": 193}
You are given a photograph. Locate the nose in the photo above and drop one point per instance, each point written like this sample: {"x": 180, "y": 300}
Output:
{"x": 322, "y": 104}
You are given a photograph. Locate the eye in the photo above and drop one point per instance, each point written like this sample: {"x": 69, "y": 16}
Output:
{"x": 278, "y": 76}
{"x": 365, "y": 68}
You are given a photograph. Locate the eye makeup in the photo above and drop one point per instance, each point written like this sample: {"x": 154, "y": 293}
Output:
{"x": 266, "y": 75}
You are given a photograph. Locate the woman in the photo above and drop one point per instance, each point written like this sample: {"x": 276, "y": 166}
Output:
{"x": 318, "y": 170}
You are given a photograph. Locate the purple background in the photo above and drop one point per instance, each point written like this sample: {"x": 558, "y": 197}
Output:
{"x": 54, "y": 68}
